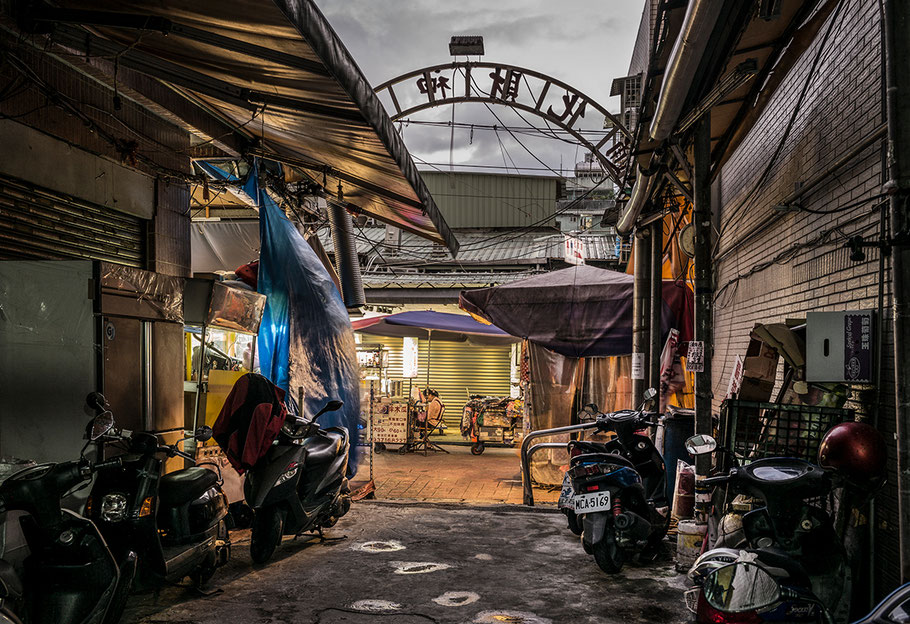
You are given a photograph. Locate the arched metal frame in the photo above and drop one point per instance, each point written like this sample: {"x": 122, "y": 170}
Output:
{"x": 510, "y": 86}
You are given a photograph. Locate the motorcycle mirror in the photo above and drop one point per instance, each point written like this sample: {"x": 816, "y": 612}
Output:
{"x": 331, "y": 406}
{"x": 203, "y": 433}
{"x": 650, "y": 394}
{"x": 700, "y": 445}
{"x": 739, "y": 587}
{"x": 101, "y": 424}
{"x": 96, "y": 401}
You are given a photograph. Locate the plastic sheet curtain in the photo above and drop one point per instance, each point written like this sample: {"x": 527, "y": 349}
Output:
{"x": 607, "y": 382}
{"x": 551, "y": 394}
{"x": 305, "y": 340}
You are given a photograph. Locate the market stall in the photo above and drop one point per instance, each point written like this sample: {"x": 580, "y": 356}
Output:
{"x": 577, "y": 355}
{"x": 452, "y": 353}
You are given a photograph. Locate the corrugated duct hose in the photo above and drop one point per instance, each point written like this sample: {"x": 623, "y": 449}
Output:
{"x": 346, "y": 261}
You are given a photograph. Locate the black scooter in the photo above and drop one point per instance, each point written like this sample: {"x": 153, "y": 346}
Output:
{"x": 619, "y": 490}
{"x": 70, "y": 574}
{"x": 299, "y": 485}
{"x": 174, "y": 521}
{"x": 789, "y": 534}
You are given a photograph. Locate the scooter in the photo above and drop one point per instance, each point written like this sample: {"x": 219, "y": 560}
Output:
{"x": 746, "y": 590}
{"x": 70, "y": 574}
{"x": 620, "y": 490}
{"x": 175, "y": 521}
{"x": 299, "y": 485}
{"x": 792, "y": 537}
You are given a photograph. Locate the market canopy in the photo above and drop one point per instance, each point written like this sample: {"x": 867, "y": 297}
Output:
{"x": 265, "y": 78}
{"x": 580, "y": 311}
{"x": 438, "y": 325}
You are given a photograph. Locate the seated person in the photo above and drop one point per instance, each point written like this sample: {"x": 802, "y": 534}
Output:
{"x": 434, "y": 408}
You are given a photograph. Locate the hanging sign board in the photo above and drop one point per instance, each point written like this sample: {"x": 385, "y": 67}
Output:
{"x": 695, "y": 357}
{"x": 574, "y": 250}
{"x": 409, "y": 357}
{"x": 638, "y": 366}
{"x": 736, "y": 377}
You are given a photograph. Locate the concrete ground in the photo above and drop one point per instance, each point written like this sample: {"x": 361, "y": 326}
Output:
{"x": 493, "y": 477}
{"x": 414, "y": 563}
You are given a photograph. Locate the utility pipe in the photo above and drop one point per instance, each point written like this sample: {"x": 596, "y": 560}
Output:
{"x": 897, "y": 73}
{"x": 704, "y": 291}
{"x": 641, "y": 193}
{"x": 347, "y": 262}
{"x": 688, "y": 50}
{"x": 656, "y": 303}
{"x": 641, "y": 315}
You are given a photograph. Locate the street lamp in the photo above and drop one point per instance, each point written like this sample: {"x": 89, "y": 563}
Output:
{"x": 466, "y": 45}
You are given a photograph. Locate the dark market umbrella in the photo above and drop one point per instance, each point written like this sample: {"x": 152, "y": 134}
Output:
{"x": 581, "y": 311}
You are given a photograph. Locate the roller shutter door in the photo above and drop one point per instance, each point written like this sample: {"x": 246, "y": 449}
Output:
{"x": 456, "y": 368}
{"x": 37, "y": 223}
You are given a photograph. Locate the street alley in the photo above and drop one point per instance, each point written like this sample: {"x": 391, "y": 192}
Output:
{"x": 414, "y": 563}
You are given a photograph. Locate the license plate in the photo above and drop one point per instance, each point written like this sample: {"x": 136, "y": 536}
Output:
{"x": 589, "y": 503}
{"x": 566, "y": 495}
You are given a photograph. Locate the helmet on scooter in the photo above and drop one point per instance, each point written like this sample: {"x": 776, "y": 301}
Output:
{"x": 855, "y": 450}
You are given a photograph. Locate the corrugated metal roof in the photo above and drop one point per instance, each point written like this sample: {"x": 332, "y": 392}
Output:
{"x": 477, "y": 248}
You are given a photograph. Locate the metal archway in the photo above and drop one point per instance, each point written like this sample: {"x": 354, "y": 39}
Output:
{"x": 508, "y": 85}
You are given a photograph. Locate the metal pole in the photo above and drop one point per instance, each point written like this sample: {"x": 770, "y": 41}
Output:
{"x": 656, "y": 304}
{"x": 199, "y": 373}
{"x": 429, "y": 347}
{"x": 704, "y": 326}
{"x": 897, "y": 71}
{"x": 641, "y": 316}
{"x": 525, "y": 454}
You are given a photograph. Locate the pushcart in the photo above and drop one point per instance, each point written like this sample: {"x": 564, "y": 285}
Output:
{"x": 392, "y": 424}
{"x": 490, "y": 419}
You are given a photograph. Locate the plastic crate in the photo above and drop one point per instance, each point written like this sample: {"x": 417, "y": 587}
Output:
{"x": 754, "y": 430}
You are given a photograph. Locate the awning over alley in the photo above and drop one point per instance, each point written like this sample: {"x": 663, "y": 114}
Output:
{"x": 265, "y": 78}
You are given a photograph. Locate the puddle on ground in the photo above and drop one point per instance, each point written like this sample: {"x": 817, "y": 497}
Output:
{"x": 509, "y": 617}
{"x": 456, "y": 598}
{"x": 375, "y": 605}
{"x": 484, "y": 556}
{"x": 378, "y": 547}
{"x": 418, "y": 567}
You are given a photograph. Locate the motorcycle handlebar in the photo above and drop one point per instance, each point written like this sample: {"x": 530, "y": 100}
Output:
{"x": 720, "y": 480}
{"x": 116, "y": 462}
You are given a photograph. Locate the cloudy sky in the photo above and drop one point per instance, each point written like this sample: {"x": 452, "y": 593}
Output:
{"x": 584, "y": 43}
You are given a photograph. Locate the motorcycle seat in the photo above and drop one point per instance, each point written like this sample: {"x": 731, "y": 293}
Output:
{"x": 612, "y": 458}
{"x": 182, "y": 486}
{"x": 323, "y": 448}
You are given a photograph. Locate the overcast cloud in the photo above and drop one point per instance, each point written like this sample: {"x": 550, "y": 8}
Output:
{"x": 581, "y": 42}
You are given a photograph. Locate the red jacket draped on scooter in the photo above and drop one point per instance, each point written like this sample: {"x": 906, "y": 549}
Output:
{"x": 250, "y": 420}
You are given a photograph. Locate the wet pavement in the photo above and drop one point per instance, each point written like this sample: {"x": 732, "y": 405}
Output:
{"x": 416, "y": 563}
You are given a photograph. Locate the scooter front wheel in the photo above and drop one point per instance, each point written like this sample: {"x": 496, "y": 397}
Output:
{"x": 477, "y": 448}
{"x": 608, "y": 555}
{"x": 268, "y": 527}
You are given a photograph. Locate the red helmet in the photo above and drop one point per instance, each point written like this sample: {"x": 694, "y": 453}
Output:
{"x": 856, "y": 450}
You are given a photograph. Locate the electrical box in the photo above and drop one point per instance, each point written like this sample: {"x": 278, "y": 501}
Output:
{"x": 839, "y": 346}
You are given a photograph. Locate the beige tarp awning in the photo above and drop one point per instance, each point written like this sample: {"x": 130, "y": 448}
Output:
{"x": 278, "y": 78}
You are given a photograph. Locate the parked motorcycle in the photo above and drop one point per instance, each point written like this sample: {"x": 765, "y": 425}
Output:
{"x": 619, "y": 490}
{"x": 299, "y": 485}
{"x": 175, "y": 522}
{"x": 790, "y": 535}
{"x": 70, "y": 574}
{"x": 747, "y": 589}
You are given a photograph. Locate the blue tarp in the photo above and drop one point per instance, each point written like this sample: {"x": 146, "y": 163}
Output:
{"x": 305, "y": 339}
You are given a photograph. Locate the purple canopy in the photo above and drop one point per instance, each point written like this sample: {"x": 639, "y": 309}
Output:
{"x": 442, "y": 326}
{"x": 580, "y": 311}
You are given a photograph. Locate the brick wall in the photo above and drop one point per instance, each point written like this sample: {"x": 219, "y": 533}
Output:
{"x": 162, "y": 146}
{"x": 796, "y": 262}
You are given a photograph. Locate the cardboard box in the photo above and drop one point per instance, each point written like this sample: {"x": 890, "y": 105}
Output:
{"x": 759, "y": 371}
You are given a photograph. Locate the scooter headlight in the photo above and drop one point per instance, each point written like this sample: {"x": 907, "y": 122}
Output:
{"x": 287, "y": 475}
{"x": 113, "y": 507}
